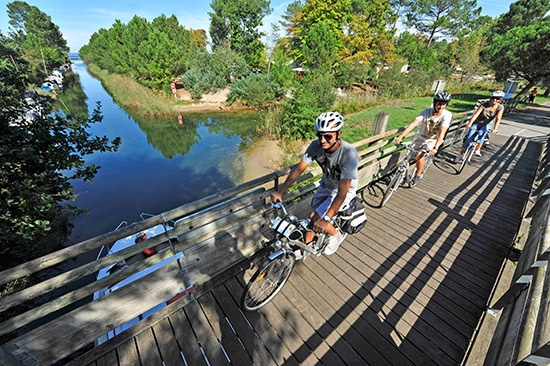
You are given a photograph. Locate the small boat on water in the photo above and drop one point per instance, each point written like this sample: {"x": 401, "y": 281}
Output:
{"x": 123, "y": 264}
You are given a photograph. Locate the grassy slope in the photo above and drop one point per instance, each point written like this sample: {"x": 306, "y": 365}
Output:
{"x": 402, "y": 112}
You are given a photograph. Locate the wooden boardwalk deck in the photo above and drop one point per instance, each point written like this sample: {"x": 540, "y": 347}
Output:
{"x": 410, "y": 289}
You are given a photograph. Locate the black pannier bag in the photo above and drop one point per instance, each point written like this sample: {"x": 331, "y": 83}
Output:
{"x": 353, "y": 218}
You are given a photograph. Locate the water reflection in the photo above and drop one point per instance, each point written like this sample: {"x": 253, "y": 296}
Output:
{"x": 161, "y": 164}
{"x": 171, "y": 138}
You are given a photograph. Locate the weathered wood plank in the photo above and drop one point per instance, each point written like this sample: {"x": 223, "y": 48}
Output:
{"x": 167, "y": 343}
{"x": 128, "y": 353}
{"x": 252, "y": 344}
{"x": 263, "y": 329}
{"x": 188, "y": 343}
{"x": 108, "y": 359}
{"x": 48, "y": 343}
{"x": 206, "y": 338}
{"x": 147, "y": 347}
{"x": 227, "y": 337}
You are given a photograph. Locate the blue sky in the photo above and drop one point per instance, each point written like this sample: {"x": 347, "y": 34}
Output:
{"x": 78, "y": 20}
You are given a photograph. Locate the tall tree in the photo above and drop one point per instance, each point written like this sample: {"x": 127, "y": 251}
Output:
{"x": 521, "y": 47}
{"x": 236, "y": 23}
{"x": 466, "y": 51}
{"x": 522, "y": 13}
{"x": 446, "y": 17}
{"x": 361, "y": 27}
{"x": 40, "y": 39}
{"x": 320, "y": 50}
{"x": 522, "y": 52}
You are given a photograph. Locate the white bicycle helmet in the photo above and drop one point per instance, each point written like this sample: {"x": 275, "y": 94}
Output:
{"x": 498, "y": 94}
{"x": 442, "y": 96}
{"x": 329, "y": 122}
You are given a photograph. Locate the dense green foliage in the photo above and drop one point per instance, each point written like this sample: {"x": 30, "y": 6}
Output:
{"x": 521, "y": 47}
{"x": 154, "y": 53}
{"x": 38, "y": 39}
{"x": 313, "y": 96}
{"x": 522, "y": 52}
{"x": 255, "y": 90}
{"x": 40, "y": 153}
{"x": 446, "y": 17}
{"x": 213, "y": 71}
{"x": 235, "y": 23}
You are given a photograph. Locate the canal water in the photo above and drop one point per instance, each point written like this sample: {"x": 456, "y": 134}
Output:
{"x": 161, "y": 164}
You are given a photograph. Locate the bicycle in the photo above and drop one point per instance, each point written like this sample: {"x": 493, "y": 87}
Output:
{"x": 287, "y": 247}
{"x": 405, "y": 171}
{"x": 469, "y": 152}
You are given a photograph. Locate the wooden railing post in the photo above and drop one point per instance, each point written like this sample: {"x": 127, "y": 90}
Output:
{"x": 380, "y": 123}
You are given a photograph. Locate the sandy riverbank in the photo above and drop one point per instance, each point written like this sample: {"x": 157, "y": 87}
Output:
{"x": 263, "y": 157}
{"x": 210, "y": 102}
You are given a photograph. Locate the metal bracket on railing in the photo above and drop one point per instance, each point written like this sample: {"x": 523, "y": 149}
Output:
{"x": 188, "y": 288}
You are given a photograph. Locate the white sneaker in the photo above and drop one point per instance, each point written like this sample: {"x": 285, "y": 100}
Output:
{"x": 334, "y": 242}
{"x": 477, "y": 153}
{"x": 458, "y": 159}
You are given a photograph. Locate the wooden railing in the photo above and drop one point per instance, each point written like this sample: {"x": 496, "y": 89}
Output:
{"x": 522, "y": 335}
{"x": 210, "y": 237}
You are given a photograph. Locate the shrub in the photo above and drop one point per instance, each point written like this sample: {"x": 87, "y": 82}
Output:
{"x": 313, "y": 96}
{"x": 254, "y": 90}
{"x": 199, "y": 81}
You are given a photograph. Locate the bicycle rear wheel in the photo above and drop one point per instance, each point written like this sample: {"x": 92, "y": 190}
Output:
{"x": 395, "y": 182}
{"x": 266, "y": 283}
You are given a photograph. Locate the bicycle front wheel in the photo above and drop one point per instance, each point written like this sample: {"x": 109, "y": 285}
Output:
{"x": 465, "y": 158}
{"x": 266, "y": 283}
{"x": 395, "y": 182}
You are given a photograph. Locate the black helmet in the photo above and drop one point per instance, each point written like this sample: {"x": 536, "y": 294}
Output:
{"x": 442, "y": 96}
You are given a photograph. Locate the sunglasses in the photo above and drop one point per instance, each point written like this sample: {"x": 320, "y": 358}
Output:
{"x": 496, "y": 98}
{"x": 327, "y": 136}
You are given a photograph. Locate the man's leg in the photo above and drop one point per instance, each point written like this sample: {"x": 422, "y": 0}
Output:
{"x": 419, "y": 163}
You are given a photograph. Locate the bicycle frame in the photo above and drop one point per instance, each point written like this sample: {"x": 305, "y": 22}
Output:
{"x": 402, "y": 174}
{"x": 284, "y": 239}
{"x": 469, "y": 152}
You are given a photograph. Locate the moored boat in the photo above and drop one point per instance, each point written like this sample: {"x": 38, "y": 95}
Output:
{"x": 123, "y": 264}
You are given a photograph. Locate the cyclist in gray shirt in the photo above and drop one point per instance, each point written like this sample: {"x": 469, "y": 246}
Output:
{"x": 338, "y": 159}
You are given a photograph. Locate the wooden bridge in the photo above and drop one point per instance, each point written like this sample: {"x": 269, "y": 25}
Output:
{"x": 411, "y": 289}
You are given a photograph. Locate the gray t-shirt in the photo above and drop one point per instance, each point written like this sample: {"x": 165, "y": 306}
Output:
{"x": 486, "y": 116}
{"x": 341, "y": 164}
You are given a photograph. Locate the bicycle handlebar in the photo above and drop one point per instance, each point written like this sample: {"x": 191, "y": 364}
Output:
{"x": 424, "y": 148}
{"x": 280, "y": 206}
